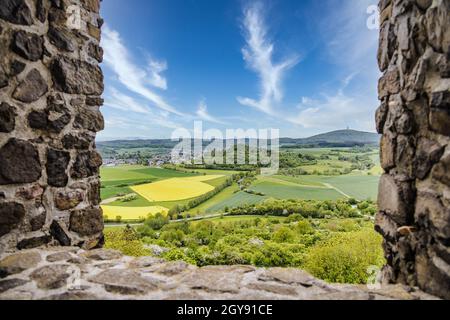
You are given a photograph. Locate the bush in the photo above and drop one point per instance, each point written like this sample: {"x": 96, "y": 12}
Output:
{"x": 345, "y": 257}
{"x": 284, "y": 234}
{"x": 126, "y": 241}
{"x": 157, "y": 221}
{"x": 304, "y": 227}
{"x": 346, "y": 225}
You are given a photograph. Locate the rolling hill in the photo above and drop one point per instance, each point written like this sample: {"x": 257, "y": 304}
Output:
{"x": 334, "y": 138}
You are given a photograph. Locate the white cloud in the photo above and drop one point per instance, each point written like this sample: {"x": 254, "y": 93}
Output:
{"x": 120, "y": 101}
{"x": 202, "y": 113}
{"x": 258, "y": 54}
{"x": 348, "y": 40}
{"x": 134, "y": 78}
{"x": 335, "y": 112}
{"x": 352, "y": 47}
{"x": 155, "y": 69}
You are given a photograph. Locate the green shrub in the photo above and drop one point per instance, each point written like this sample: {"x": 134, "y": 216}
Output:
{"x": 346, "y": 225}
{"x": 284, "y": 234}
{"x": 157, "y": 221}
{"x": 304, "y": 227}
{"x": 345, "y": 257}
{"x": 126, "y": 241}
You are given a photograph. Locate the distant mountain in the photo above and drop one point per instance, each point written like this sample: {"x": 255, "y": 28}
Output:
{"x": 336, "y": 138}
{"x": 339, "y": 138}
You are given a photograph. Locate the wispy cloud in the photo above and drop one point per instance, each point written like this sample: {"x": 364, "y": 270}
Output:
{"x": 147, "y": 118}
{"x": 335, "y": 111}
{"x": 120, "y": 101}
{"x": 258, "y": 54}
{"x": 134, "y": 78}
{"x": 202, "y": 113}
{"x": 348, "y": 40}
{"x": 155, "y": 69}
{"x": 351, "y": 47}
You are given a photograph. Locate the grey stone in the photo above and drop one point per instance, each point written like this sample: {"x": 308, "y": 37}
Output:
{"x": 4, "y": 80}
{"x": 441, "y": 170}
{"x": 428, "y": 153}
{"x": 37, "y": 222}
{"x": 60, "y": 234}
{"x": 28, "y": 45}
{"x": 19, "y": 162}
{"x": 76, "y": 77}
{"x": 94, "y": 101}
{"x": 19, "y": 262}
{"x": 89, "y": 119}
{"x": 30, "y": 192}
{"x": 424, "y": 4}
{"x": 392, "y": 199}
{"x": 86, "y": 165}
{"x": 385, "y": 226}
{"x": 440, "y": 112}
{"x": 81, "y": 141}
{"x": 438, "y": 26}
{"x": 31, "y": 88}
{"x": 61, "y": 38}
{"x": 123, "y": 281}
{"x": 68, "y": 200}
{"x": 41, "y": 11}
{"x": 275, "y": 288}
{"x": 59, "y": 256}
{"x": 103, "y": 254}
{"x": 7, "y": 284}
{"x": 34, "y": 242}
{"x": 387, "y": 151}
{"x": 95, "y": 51}
{"x": 289, "y": 276}
{"x": 16, "y": 11}
{"x": 7, "y": 117}
{"x": 53, "y": 119}
{"x": 215, "y": 279}
{"x": 389, "y": 84}
{"x": 87, "y": 222}
{"x": 170, "y": 268}
{"x": 74, "y": 295}
{"x": 144, "y": 262}
{"x": 51, "y": 277}
{"x": 11, "y": 215}
{"x": 57, "y": 163}
{"x": 380, "y": 117}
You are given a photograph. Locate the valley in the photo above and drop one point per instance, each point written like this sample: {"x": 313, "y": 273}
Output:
{"x": 129, "y": 191}
{"x": 316, "y": 213}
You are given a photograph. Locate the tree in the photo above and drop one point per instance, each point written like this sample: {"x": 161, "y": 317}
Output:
{"x": 157, "y": 221}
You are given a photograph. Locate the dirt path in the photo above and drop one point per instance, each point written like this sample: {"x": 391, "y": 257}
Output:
{"x": 110, "y": 200}
{"x": 338, "y": 190}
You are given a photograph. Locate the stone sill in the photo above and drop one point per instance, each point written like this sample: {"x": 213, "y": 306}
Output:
{"x": 70, "y": 273}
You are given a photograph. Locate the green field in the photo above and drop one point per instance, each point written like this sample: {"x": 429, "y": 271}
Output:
{"x": 117, "y": 180}
{"x": 282, "y": 191}
{"x": 237, "y": 199}
{"x": 359, "y": 184}
{"x": 242, "y": 218}
{"x": 356, "y": 186}
{"x": 224, "y": 195}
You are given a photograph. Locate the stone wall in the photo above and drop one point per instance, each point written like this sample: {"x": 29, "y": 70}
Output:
{"x": 414, "y": 119}
{"x": 62, "y": 273}
{"x": 50, "y": 87}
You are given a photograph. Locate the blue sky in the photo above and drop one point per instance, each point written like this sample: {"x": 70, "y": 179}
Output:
{"x": 304, "y": 67}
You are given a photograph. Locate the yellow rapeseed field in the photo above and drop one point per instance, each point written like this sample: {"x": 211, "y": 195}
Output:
{"x": 131, "y": 213}
{"x": 175, "y": 188}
